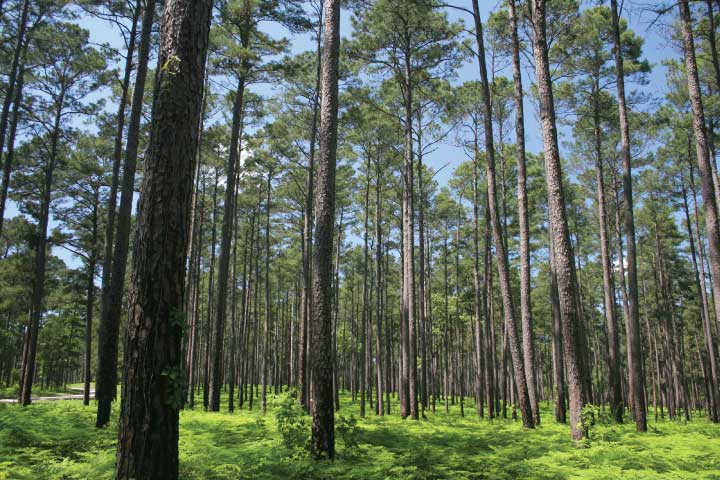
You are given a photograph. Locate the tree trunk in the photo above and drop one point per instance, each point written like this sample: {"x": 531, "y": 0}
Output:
{"x": 323, "y": 426}
{"x": 703, "y": 157}
{"x": 90, "y": 300}
{"x": 306, "y": 295}
{"x": 409, "y": 371}
{"x": 106, "y": 381}
{"x": 364, "y": 312}
{"x": 226, "y": 240}
{"x": 499, "y": 239}
{"x": 101, "y": 385}
{"x": 152, "y": 380}
{"x": 563, "y": 254}
{"x": 379, "y": 401}
{"x": 268, "y": 312}
{"x": 635, "y": 356}
{"x": 12, "y": 81}
{"x": 40, "y": 262}
{"x": 523, "y": 220}
{"x": 611, "y": 326}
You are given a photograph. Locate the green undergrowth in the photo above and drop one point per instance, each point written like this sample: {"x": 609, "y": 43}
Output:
{"x": 57, "y": 440}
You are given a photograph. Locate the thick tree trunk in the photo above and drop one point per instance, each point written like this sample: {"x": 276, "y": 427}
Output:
{"x": 709, "y": 194}
{"x": 323, "y": 426}
{"x": 152, "y": 379}
{"x": 106, "y": 381}
{"x": 519, "y": 371}
{"x": 560, "y": 235}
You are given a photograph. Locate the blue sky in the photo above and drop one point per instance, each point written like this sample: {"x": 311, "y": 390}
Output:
{"x": 657, "y": 47}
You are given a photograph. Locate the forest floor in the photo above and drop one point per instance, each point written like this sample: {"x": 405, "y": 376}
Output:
{"x": 57, "y": 440}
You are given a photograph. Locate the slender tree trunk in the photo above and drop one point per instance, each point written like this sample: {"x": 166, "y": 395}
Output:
{"x": 634, "y": 345}
{"x": 479, "y": 311}
{"x": 12, "y": 133}
{"x": 409, "y": 371}
{"x": 306, "y": 292}
{"x": 523, "y": 386}
{"x": 12, "y": 81}
{"x": 104, "y": 388}
{"x": 106, "y": 381}
{"x": 323, "y": 426}
{"x": 379, "y": 401}
{"x": 268, "y": 312}
{"x": 90, "y": 300}
{"x": 611, "y": 326}
{"x": 40, "y": 261}
{"x": 152, "y": 380}
{"x": 422, "y": 291}
{"x": 557, "y": 357}
{"x": 365, "y": 306}
{"x": 563, "y": 254}
{"x": 226, "y": 240}
{"x": 523, "y": 220}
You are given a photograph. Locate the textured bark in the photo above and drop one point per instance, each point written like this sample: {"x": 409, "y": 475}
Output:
{"x": 560, "y": 235}
{"x": 323, "y": 425}
{"x": 558, "y": 359}
{"x": 106, "y": 386}
{"x": 523, "y": 219}
{"x": 152, "y": 380}
{"x": 703, "y": 156}
{"x": 632, "y": 321}
{"x": 699, "y": 272}
{"x": 499, "y": 238}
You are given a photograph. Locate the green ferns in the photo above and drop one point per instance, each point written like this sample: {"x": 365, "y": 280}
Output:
{"x": 57, "y": 440}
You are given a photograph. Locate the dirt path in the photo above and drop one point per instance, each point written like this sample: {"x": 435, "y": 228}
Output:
{"x": 56, "y": 397}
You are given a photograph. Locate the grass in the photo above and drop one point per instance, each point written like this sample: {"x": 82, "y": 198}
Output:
{"x": 57, "y": 440}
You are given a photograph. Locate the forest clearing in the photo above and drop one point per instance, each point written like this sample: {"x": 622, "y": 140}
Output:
{"x": 392, "y": 239}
